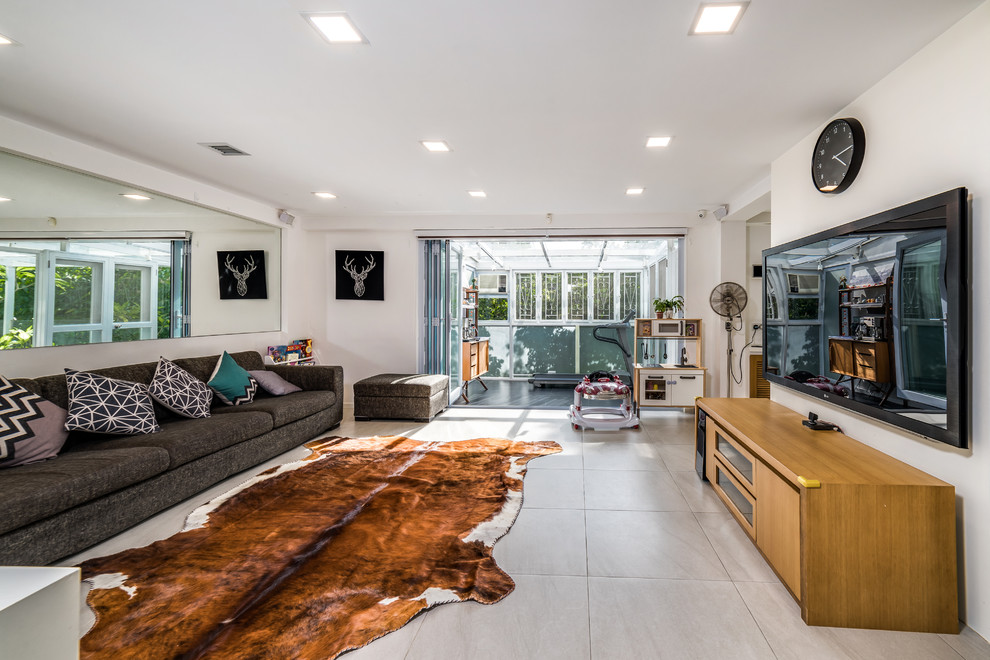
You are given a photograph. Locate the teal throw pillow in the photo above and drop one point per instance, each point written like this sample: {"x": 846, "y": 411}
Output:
{"x": 232, "y": 383}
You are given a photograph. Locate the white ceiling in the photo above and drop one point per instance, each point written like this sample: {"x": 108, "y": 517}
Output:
{"x": 547, "y": 104}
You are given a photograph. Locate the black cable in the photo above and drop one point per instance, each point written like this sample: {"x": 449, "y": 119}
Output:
{"x": 743, "y": 350}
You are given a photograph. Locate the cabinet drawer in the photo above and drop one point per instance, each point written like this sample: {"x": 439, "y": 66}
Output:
{"x": 740, "y": 503}
{"x": 866, "y": 358}
{"x": 735, "y": 457}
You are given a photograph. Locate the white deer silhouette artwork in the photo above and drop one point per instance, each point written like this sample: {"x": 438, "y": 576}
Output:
{"x": 359, "y": 277}
{"x": 240, "y": 275}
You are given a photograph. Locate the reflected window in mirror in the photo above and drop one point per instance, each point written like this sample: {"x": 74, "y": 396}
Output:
{"x": 83, "y": 291}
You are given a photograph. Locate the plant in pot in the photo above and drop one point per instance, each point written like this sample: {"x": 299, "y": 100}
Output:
{"x": 665, "y": 307}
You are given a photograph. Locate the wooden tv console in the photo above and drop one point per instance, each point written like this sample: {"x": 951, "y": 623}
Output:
{"x": 859, "y": 538}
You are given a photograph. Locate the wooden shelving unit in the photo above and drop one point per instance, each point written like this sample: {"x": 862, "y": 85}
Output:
{"x": 661, "y": 346}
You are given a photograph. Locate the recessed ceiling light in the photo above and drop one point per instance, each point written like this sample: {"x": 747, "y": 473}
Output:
{"x": 325, "y": 195}
{"x": 5, "y": 199}
{"x": 4, "y": 41}
{"x": 140, "y": 198}
{"x": 336, "y": 28}
{"x": 477, "y": 193}
{"x": 435, "y": 145}
{"x": 658, "y": 141}
{"x": 718, "y": 17}
{"x": 634, "y": 191}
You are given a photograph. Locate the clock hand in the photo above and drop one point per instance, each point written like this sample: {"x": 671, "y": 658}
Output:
{"x": 836, "y": 157}
{"x": 844, "y": 150}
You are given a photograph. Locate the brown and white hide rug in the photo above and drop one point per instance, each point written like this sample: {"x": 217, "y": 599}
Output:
{"x": 313, "y": 558}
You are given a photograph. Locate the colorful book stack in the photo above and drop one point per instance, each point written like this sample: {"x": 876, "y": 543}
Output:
{"x": 298, "y": 352}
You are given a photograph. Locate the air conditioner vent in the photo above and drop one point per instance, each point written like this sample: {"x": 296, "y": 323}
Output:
{"x": 492, "y": 283}
{"x": 802, "y": 283}
{"x": 224, "y": 149}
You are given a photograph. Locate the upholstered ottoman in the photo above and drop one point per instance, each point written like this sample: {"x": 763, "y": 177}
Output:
{"x": 400, "y": 396}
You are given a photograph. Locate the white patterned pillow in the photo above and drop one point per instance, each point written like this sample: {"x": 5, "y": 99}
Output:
{"x": 180, "y": 391}
{"x": 107, "y": 405}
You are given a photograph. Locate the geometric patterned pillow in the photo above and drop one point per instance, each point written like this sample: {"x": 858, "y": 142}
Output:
{"x": 232, "y": 383}
{"x": 31, "y": 428}
{"x": 107, "y": 405}
{"x": 180, "y": 391}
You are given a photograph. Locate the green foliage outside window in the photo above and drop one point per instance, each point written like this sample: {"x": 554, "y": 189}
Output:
{"x": 493, "y": 309}
{"x": 22, "y": 325}
{"x": 73, "y": 295}
{"x": 802, "y": 309}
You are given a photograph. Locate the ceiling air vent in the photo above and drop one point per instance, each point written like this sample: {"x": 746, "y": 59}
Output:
{"x": 224, "y": 149}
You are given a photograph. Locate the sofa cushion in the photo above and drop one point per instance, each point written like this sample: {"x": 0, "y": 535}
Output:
{"x": 37, "y": 491}
{"x": 284, "y": 409}
{"x": 188, "y": 439}
{"x": 31, "y": 428}
{"x": 108, "y": 405}
{"x": 180, "y": 391}
{"x": 232, "y": 383}
{"x": 202, "y": 367}
{"x": 272, "y": 383}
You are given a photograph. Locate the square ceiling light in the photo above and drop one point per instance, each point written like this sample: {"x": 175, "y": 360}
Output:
{"x": 717, "y": 17}
{"x": 7, "y": 41}
{"x": 634, "y": 191}
{"x": 336, "y": 28}
{"x": 135, "y": 196}
{"x": 435, "y": 145}
{"x": 477, "y": 193}
{"x": 325, "y": 195}
{"x": 5, "y": 199}
{"x": 658, "y": 141}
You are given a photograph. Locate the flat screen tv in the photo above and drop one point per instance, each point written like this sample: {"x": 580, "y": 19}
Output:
{"x": 873, "y": 316}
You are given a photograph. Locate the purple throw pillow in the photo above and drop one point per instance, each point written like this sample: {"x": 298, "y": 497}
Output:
{"x": 272, "y": 383}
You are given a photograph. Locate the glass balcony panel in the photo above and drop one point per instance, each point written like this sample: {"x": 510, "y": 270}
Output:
{"x": 541, "y": 349}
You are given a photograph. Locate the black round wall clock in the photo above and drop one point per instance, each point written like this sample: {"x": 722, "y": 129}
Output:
{"x": 838, "y": 155}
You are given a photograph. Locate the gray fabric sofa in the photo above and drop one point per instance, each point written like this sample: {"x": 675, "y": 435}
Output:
{"x": 100, "y": 485}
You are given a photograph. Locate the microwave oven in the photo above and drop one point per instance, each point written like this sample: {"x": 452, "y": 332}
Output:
{"x": 668, "y": 328}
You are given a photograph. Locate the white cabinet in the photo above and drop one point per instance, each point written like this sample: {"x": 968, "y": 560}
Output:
{"x": 673, "y": 387}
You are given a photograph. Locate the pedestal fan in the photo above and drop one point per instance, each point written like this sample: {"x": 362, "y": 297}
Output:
{"x": 729, "y": 299}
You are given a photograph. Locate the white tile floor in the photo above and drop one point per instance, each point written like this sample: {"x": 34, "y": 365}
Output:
{"x": 619, "y": 552}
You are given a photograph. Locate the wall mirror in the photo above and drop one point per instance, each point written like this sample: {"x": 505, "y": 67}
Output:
{"x": 87, "y": 260}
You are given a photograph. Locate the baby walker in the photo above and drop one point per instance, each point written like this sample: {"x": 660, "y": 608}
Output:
{"x": 599, "y": 386}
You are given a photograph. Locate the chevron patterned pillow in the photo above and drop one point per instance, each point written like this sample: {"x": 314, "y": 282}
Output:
{"x": 180, "y": 391}
{"x": 107, "y": 405}
{"x": 232, "y": 383}
{"x": 32, "y": 429}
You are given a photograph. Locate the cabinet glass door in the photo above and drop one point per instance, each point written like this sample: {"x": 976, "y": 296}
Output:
{"x": 741, "y": 502}
{"x": 737, "y": 459}
{"x": 655, "y": 388}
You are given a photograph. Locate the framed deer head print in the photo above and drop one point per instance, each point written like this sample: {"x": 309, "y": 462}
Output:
{"x": 242, "y": 274}
{"x": 360, "y": 275}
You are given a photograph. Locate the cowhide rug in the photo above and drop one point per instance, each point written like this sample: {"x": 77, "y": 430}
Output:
{"x": 313, "y": 558}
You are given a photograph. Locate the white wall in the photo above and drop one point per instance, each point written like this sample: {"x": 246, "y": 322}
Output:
{"x": 367, "y": 337}
{"x": 757, "y": 240}
{"x": 211, "y": 316}
{"x": 927, "y": 132}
